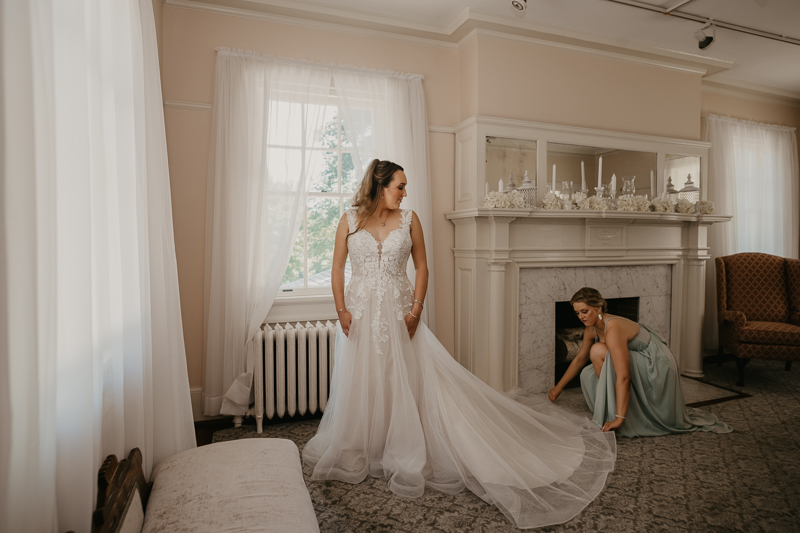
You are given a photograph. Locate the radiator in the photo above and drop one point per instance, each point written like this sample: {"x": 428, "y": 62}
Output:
{"x": 293, "y": 366}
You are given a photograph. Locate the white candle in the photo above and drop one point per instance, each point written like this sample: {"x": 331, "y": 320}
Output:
{"x": 554, "y": 177}
{"x": 652, "y": 182}
{"x": 486, "y": 189}
{"x": 613, "y": 183}
{"x": 500, "y": 185}
{"x": 665, "y": 181}
{"x": 583, "y": 177}
{"x": 600, "y": 172}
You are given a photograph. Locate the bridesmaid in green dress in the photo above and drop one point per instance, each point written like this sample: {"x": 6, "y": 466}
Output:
{"x": 632, "y": 386}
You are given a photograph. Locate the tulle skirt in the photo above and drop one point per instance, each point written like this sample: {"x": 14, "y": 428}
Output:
{"x": 406, "y": 411}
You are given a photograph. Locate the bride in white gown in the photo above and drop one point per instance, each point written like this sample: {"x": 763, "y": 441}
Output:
{"x": 401, "y": 408}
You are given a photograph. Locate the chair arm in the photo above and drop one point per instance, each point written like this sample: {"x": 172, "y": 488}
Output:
{"x": 794, "y": 318}
{"x": 736, "y": 317}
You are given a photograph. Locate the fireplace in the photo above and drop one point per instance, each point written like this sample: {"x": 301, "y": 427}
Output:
{"x": 570, "y": 330}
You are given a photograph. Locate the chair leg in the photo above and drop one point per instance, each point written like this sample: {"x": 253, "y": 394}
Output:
{"x": 740, "y": 364}
{"x": 788, "y": 365}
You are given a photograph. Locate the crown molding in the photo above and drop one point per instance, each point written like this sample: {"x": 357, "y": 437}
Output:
{"x": 750, "y": 91}
{"x": 456, "y": 33}
{"x": 347, "y": 26}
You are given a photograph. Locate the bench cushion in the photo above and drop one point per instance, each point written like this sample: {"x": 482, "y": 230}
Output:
{"x": 243, "y": 485}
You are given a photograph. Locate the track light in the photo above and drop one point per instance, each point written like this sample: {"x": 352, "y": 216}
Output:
{"x": 704, "y": 41}
{"x": 518, "y": 7}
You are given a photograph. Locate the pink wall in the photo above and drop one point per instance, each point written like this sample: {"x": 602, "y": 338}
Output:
{"x": 487, "y": 76}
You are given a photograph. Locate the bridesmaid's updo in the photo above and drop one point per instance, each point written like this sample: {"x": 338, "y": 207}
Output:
{"x": 590, "y": 297}
{"x": 378, "y": 176}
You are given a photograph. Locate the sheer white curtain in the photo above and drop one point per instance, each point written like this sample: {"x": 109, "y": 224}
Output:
{"x": 753, "y": 175}
{"x": 268, "y": 119}
{"x": 92, "y": 358}
{"x": 385, "y": 113}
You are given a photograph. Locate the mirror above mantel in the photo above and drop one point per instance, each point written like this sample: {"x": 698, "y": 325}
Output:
{"x": 489, "y": 149}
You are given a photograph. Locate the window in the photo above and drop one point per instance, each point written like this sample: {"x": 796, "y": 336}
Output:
{"x": 333, "y": 183}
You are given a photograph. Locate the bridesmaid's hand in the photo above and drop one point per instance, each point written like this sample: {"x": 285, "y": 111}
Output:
{"x": 614, "y": 424}
{"x": 554, "y": 393}
{"x": 345, "y": 319}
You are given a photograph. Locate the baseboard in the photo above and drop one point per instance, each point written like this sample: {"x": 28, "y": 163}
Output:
{"x": 197, "y": 406}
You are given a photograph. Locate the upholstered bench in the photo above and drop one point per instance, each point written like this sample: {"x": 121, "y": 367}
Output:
{"x": 244, "y": 485}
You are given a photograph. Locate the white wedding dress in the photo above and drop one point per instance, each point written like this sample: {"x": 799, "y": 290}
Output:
{"x": 406, "y": 411}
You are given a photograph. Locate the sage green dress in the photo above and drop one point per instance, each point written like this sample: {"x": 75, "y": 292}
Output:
{"x": 656, "y": 406}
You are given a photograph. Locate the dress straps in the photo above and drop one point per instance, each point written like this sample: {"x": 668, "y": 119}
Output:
{"x": 405, "y": 218}
{"x": 352, "y": 223}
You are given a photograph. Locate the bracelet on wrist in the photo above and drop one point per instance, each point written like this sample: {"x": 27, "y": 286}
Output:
{"x": 412, "y": 314}
{"x": 420, "y": 303}
{"x": 620, "y": 416}
{"x": 340, "y": 310}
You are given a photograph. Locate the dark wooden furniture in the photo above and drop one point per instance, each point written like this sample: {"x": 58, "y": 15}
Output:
{"x": 117, "y": 483}
{"x": 758, "y": 308}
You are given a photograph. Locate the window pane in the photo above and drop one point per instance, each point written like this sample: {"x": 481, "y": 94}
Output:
{"x": 325, "y": 178}
{"x": 323, "y": 217}
{"x": 285, "y": 123}
{"x": 349, "y": 179}
{"x": 330, "y": 123}
{"x": 293, "y": 277}
{"x": 284, "y": 167}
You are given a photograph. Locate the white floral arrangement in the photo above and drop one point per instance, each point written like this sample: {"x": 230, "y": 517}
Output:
{"x": 684, "y": 206}
{"x": 499, "y": 200}
{"x": 551, "y": 201}
{"x": 662, "y": 204}
{"x": 578, "y": 197}
{"x": 633, "y": 203}
{"x": 704, "y": 207}
{"x": 593, "y": 203}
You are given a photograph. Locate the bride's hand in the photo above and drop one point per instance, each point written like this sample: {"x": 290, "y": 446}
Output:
{"x": 553, "y": 394}
{"x": 411, "y": 324}
{"x": 345, "y": 318}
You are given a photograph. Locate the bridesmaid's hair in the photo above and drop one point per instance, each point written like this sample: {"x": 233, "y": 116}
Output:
{"x": 590, "y": 297}
{"x": 378, "y": 176}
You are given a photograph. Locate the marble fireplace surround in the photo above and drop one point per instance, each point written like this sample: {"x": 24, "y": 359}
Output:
{"x": 541, "y": 288}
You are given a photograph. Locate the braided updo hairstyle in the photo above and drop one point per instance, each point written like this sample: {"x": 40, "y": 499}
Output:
{"x": 590, "y": 297}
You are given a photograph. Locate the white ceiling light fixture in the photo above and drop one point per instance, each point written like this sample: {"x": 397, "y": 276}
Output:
{"x": 518, "y": 7}
{"x": 704, "y": 40}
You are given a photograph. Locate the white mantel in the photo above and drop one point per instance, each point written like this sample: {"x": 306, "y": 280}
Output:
{"x": 493, "y": 245}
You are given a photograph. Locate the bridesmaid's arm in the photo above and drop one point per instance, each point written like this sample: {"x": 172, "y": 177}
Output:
{"x": 421, "y": 278}
{"x": 618, "y": 347}
{"x": 575, "y": 366}
{"x": 337, "y": 273}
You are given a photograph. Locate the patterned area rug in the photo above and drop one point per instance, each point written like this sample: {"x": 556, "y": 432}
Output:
{"x": 748, "y": 480}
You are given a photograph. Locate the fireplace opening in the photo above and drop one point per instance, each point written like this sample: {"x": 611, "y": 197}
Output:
{"x": 570, "y": 330}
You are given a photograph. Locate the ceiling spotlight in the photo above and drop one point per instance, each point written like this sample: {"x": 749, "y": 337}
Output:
{"x": 704, "y": 40}
{"x": 518, "y": 7}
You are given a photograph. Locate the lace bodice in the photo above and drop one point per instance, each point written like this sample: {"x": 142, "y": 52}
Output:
{"x": 379, "y": 271}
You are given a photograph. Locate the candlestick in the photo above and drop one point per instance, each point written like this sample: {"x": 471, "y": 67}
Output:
{"x": 554, "y": 177}
{"x": 486, "y": 189}
{"x": 500, "y": 185}
{"x": 600, "y": 172}
{"x": 665, "y": 182}
{"x": 613, "y": 183}
{"x": 652, "y": 182}
{"x": 583, "y": 177}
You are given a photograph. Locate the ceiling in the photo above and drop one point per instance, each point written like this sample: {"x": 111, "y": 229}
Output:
{"x": 748, "y": 61}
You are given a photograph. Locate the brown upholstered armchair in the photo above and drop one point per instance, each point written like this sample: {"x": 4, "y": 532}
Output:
{"x": 758, "y": 308}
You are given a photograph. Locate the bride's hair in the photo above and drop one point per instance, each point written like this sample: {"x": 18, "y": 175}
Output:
{"x": 590, "y": 297}
{"x": 378, "y": 176}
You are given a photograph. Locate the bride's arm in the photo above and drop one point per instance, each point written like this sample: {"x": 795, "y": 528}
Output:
{"x": 337, "y": 273}
{"x": 575, "y": 366}
{"x": 618, "y": 347}
{"x": 421, "y": 277}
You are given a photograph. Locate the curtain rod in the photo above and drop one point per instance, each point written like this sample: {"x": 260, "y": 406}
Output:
{"x": 324, "y": 64}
